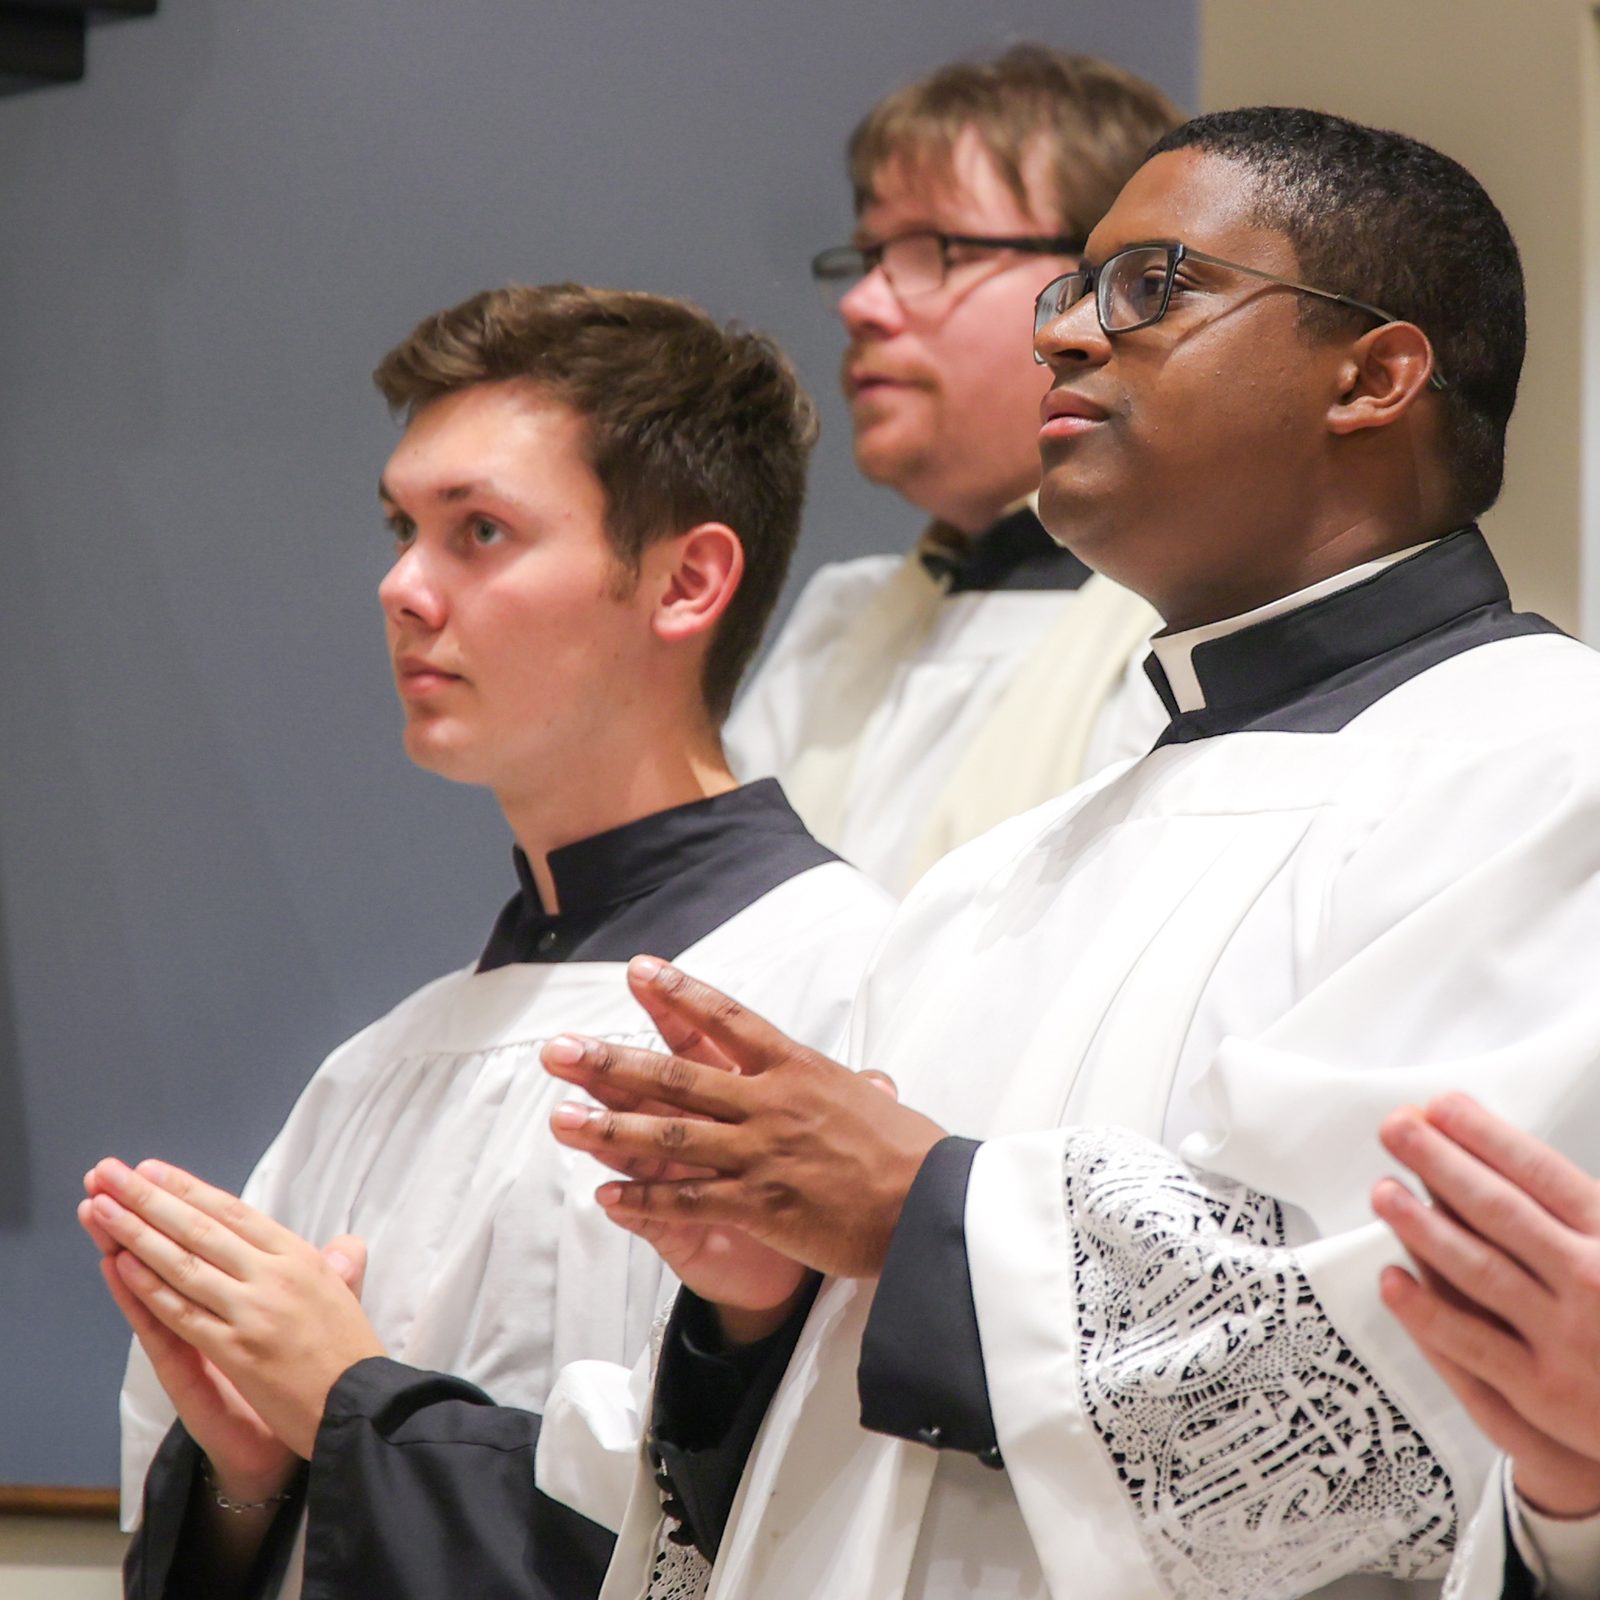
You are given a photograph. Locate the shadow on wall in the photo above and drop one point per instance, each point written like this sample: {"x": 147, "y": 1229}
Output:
{"x": 14, "y": 1174}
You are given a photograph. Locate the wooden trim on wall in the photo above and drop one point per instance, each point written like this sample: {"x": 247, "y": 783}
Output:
{"x": 45, "y": 1500}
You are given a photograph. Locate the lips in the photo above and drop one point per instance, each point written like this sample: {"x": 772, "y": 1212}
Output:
{"x": 415, "y": 675}
{"x": 1065, "y": 414}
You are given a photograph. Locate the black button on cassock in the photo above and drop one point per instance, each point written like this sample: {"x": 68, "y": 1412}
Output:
{"x": 933, "y": 1436}
{"x": 547, "y": 941}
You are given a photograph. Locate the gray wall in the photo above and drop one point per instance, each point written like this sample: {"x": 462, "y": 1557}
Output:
{"x": 214, "y": 861}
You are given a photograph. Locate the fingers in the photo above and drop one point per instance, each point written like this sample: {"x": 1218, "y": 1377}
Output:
{"x": 249, "y": 1224}
{"x": 1492, "y": 1412}
{"x": 1480, "y": 1272}
{"x": 176, "y": 1313}
{"x": 880, "y": 1080}
{"x": 707, "y": 1201}
{"x": 184, "y": 1269}
{"x": 1566, "y": 1191}
{"x": 1466, "y": 1339}
{"x": 347, "y": 1255}
{"x": 697, "y": 1020}
{"x": 1487, "y": 1203}
{"x": 647, "y": 1147}
{"x": 103, "y": 1242}
{"x": 624, "y": 1078}
{"x": 680, "y": 1035}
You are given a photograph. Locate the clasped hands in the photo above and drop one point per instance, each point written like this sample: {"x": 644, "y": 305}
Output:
{"x": 246, "y": 1325}
{"x": 751, "y": 1160}
{"x": 1504, "y": 1300}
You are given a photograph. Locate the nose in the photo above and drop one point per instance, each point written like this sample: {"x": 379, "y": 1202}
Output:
{"x": 410, "y": 593}
{"x": 870, "y": 306}
{"x": 1075, "y": 338}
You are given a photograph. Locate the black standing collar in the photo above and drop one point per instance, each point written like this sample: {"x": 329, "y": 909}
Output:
{"x": 1013, "y": 553}
{"x": 659, "y": 884}
{"x": 1312, "y": 669}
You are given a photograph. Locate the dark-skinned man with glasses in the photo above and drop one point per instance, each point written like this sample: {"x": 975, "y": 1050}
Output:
{"x": 1100, "y": 1318}
{"x": 913, "y": 701}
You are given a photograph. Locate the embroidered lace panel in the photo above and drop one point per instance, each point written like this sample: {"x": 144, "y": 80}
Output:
{"x": 1261, "y": 1456}
{"x": 677, "y": 1571}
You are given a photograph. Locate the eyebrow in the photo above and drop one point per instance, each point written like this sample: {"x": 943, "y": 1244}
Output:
{"x": 1132, "y": 244}
{"x": 450, "y": 494}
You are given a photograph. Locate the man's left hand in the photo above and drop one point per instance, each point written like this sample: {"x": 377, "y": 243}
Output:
{"x": 791, "y": 1148}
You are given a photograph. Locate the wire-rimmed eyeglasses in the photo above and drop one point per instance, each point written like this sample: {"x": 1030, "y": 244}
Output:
{"x": 1133, "y": 289}
{"x": 919, "y": 261}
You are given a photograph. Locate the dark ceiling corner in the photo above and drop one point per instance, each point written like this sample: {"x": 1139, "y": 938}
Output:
{"x": 45, "y": 41}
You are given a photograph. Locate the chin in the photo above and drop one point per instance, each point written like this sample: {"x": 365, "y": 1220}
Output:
{"x": 885, "y": 460}
{"x": 428, "y": 749}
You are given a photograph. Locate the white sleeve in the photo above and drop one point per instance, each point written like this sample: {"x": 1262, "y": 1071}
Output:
{"x": 1562, "y": 1553}
{"x": 591, "y": 1437}
{"x": 1198, "y": 1353}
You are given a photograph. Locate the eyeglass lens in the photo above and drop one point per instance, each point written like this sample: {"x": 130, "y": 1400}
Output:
{"x": 913, "y": 264}
{"x": 1131, "y": 291}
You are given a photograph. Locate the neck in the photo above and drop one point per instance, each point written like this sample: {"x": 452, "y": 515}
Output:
{"x": 973, "y": 514}
{"x": 1224, "y": 595}
{"x": 611, "y": 793}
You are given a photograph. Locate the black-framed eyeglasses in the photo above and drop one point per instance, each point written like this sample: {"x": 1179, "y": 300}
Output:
{"x": 918, "y": 262}
{"x": 1133, "y": 289}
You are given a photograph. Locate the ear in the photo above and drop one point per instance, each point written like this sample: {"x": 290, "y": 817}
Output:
{"x": 696, "y": 575}
{"x": 1381, "y": 377}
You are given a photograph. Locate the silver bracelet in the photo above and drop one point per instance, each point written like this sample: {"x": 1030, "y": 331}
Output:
{"x": 238, "y": 1507}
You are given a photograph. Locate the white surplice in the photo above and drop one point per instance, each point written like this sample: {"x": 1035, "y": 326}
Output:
{"x": 903, "y": 720}
{"x": 428, "y": 1135}
{"x": 1175, "y": 1007}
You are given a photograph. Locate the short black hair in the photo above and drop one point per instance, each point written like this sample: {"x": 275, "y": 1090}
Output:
{"x": 1388, "y": 219}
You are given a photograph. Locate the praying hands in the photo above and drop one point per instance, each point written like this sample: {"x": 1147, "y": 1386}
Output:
{"x": 749, "y": 1156}
{"x": 1505, "y": 1299}
{"x": 247, "y": 1326}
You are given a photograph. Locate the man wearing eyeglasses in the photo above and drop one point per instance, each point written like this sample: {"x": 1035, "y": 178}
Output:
{"x": 1106, "y": 1303}
{"x": 912, "y": 702}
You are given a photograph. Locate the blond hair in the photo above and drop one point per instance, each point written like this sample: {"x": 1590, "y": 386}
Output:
{"x": 1093, "y": 121}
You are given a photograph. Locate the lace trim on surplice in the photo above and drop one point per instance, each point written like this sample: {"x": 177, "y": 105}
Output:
{"x": 1261, "y": 1456}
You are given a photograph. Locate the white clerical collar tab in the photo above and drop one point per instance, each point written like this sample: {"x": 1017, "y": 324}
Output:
{"x": 1175, "y": 651}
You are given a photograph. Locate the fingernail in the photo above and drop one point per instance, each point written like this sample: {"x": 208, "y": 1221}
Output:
{"x": 608, "y": 1194}
{"x": 647, "y": 968}
{"x": 569, "y": 1115}
{"x": 155, "y": 1171}
{"x": 566, "y": 1049}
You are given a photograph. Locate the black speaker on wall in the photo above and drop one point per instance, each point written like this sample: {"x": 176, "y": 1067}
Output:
{"x": 46, "y": 41}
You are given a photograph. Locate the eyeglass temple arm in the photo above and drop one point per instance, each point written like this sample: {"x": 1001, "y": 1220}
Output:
{"x": 1436, "y": 379}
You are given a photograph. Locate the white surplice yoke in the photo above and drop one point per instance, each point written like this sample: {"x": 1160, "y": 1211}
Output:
{"x": 1173, "y": 1008}
{"x": 906, "y": 710}
{"x": 427, "y": 1134}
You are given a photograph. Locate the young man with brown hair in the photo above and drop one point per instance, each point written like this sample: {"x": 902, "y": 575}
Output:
{"x": 592, "y": 507}
{"x": 912, "y": 702}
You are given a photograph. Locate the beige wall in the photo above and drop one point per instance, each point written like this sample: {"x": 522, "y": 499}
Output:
{"x": 45, "y": 1558}
{"x": 1511, "y": 88}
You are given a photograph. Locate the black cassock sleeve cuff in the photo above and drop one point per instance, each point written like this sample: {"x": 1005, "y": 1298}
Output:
{"x": 710, "y": 1399}
{"x": 160, "y": 1563}
{"x": 1517, "y": 1582}
{"x": 422, "y": 1487}
{"x": 921, "y": 1375}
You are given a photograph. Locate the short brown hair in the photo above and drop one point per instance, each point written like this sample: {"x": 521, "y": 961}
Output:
{"x": 1094, "y": 120}
{"x": 686, "y": 422}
